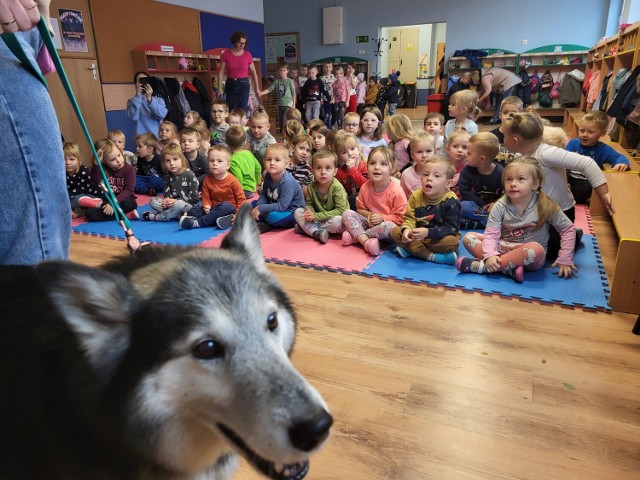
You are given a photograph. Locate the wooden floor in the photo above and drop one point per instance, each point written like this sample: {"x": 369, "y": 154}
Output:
{"x": 426, "y": 383}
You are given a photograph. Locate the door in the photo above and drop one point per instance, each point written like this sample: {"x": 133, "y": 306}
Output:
{"x": 403, "y": 53}
{"x": 79, "y": 60}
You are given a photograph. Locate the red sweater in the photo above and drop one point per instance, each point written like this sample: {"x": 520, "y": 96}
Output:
{"x": 216, "y": 191}
{"x": 352, "y": 178}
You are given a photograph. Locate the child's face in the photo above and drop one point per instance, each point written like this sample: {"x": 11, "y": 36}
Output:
{"x": 327, "y": 68}
{"x": 313, "y": 73}
{"x": 219, "y": 114}
{"x": 144, "y": 151}
{"x": 434, "y": 180}
{"x": 351, "y": 124}
{"x": 303, "y": 71}
{"x": 259, "y": 128}
{"x": 189, "y": 143}
{"x": 301, "y": 152}
{"x": 233, "y": 120}
{"x": 506, "y": 110}
{"x": 433, "y": 127}
{"x": 456, "y": 110}
{"x": 473, "y": 155}
{"x": 275, "y": 162}
{"x": 589, "y": 133}
{"x": 350, "y": 153}
{"x": 166, "y": 132}
{"x": 293, "y": 74}
{"x": 372, "y": 83}
{"x": 172, "y": 164}
{"x": 378, "y": 168}
{"x": 519, "y": 183}
{"x": 324, "y": 170}
{"x": 71, "y": 164}
{"x": 349, "y": 70}
{"x": 457, "y": 150}
{"x": 318, "y": 140}
{"x": 339, "y": 74}
{"x": 115, "y": 160}
{"x": 369, "y": 123}
{"x": 421, "y": 152}
{"x": 218, "y": 162}
{"x": 118, "y": 140}
{"x": 188, "y": 120}
{"x": 282, "y": 72}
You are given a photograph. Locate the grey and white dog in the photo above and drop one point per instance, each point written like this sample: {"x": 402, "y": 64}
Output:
{"x": 160, "y": 366}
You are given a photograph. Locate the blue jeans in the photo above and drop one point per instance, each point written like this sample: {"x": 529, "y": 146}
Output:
{"x": 145, "y": 182}
{"x": 237, "y": 92}
{"x": 471, "y": 211}
{"x": 312, "y": 110}
{"x": 277, "y": 219}
{"x": 172, "y": 213}
{"x": 217, "y": 211}
{"x": 502, "y": 96}
{"x": 35, "y": 218}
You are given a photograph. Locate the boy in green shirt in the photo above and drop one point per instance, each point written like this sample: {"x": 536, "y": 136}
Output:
{"x": 244, "y": 166}
{"x": 286, "y": 91}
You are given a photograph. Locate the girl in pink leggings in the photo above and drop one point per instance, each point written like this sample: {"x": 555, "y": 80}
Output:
{"x": 517, "y": 231}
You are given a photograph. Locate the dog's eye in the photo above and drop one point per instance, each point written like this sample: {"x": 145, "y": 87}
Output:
{"x": 272, "y": 321}
{"x": 208, "y": 349}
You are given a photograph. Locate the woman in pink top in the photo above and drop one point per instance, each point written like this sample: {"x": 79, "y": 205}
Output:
{"x": 236, "y": 65}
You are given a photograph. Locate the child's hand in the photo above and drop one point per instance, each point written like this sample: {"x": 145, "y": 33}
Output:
{"x": 107, "y": 209}
{"x": 406, "y": 235}
{"x": 607, "y": 202}
{"x": 564, "y": 271}
{"x": 206, "y": 208}
{"x": 350, "y": 163}
{"x": 308, "y": 215}
{"x": 255, "y": 213}
{"x": 492, "y": 264}
{"x": 168, "y": 202}
{"x": 397, "y": 174}
{"x": 375, "y": 219}
{"x": 621, "y": 167}
{"x": 419, "y": 233}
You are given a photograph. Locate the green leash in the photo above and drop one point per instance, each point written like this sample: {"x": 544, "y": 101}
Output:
{"x": 14, "y": 45}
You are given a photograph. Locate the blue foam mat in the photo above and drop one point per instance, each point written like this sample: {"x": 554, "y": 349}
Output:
{"x": 161, "y": 232}
{"x": 588, "y": 289}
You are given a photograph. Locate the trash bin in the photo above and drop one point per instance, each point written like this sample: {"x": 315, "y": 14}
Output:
{"x": 410, "y": 95}
{"x": 435, "y": 102}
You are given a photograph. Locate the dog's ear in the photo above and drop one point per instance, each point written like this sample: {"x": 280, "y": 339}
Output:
{"x": 244, "y": 236}
{"x": 95, "y": 304}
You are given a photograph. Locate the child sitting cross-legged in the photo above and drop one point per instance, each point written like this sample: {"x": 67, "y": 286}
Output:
{"x": 517, "y": 231}
{"x": 430, "y": 229}
{"x": 480, "y": 181}
{"x": 244, "y": 166}
{"x": 180, "y": 187}
{"x": 380, "y": 204}
{"x": 326, "y": 200}
{"x": 190, "y": 142}
{"x": 83, "y": 193}
{"x": 222, "y": 194}
{"x": 149, "y": 170}
{"x": 281, "y": 194}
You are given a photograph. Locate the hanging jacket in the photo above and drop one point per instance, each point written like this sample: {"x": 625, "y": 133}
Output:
{"x": 472, "y": 55}
{"x": 570, "y": 92}
{"x": 195, "y": 99}
{"x": 621, "y": 105}
{"x": 205, "y": 99}
{"x": 177, "y": 95}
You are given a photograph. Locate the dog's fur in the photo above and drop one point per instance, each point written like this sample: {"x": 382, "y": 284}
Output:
{"x": 158, "y": 366}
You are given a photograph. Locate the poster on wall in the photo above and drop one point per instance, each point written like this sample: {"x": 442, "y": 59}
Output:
{"x": 281, "y": 47}
{"x": 72, "y": 29}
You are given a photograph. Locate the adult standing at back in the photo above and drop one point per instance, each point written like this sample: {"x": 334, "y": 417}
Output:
{"x": 499, "y": 81}
{"x": 236, "y": 66}
{"x": 463, "y": 83}
{"x": 144, "y": 108}
{"x": 35, "y": 216}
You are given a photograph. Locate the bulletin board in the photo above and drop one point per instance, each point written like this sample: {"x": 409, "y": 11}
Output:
{"x": 282, "y": 46}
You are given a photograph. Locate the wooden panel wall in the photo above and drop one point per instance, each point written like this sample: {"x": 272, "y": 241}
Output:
{"x": 122, "y": 25}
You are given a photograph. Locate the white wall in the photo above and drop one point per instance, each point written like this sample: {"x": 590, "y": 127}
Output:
{"x": 252, "y": 10}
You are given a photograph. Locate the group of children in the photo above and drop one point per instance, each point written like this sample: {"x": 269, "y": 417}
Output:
{"x": 417, "y": 189}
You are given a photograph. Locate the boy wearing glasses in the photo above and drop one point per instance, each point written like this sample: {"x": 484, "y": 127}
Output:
{"x": 219, "y": 125}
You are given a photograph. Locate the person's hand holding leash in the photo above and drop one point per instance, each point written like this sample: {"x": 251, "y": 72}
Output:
{"x": 18, "y": 15}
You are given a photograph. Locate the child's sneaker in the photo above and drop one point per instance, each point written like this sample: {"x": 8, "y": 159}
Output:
{"x": 264, "y": 227}
{"x": 347, "y": 238}
{"x": 133, "y": 215}
{"x": 516, "y": 273}
{"x": 298, "y": 229}
{"x": 88, "y": 202}
{"x": 148, "y": 216}
{"x": 320, "y": 235}
{"x": 224, "y": 222}
{"x": 372, "y": 246}
{"x": 187, "y": 222}
{"x": 401, "y": 252}
{"x": 152, "y": 192}
{"x": 463, "y": 264}
{"x": 445, "y": 258}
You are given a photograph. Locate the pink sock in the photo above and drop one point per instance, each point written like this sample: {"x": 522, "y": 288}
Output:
{"x": 88, "y": 202}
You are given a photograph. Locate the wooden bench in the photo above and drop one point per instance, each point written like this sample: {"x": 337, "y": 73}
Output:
{"x": 572, "y": 117}
{"x": 625, "y": 286}
{"x": 634, "y": 165}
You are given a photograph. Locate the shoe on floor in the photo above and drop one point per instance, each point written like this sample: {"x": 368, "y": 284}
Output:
{"x": 516, "y": 273}
{"x": 133, "y": 215}
{"x": 463, "y": 264}
{"x": 187, "y": 222}
{"x": 321, "y": 235}
{"x": 347, "y": 238}
{"x": 152, "y": 192}
{"x": 148, "y": 216}
{"x": 372, "y": 246}
{"x": 579, "y": 234}
{"x": 445, "y": 258}
{"x": 264, "y": 227}
{"x": 401, "y": 252}
{"x": 88, "y": 202}
{"x": 298, "y": 229}
{"x": 224, "y": 222}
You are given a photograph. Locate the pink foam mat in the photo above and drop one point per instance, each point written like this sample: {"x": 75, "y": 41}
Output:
{"x": 583, "y": 219}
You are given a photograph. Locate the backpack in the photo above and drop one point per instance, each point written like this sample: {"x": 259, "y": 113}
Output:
{"x": 544, "y": 90}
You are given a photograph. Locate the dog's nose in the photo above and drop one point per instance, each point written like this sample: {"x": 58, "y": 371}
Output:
{"x": 310, "y": 433}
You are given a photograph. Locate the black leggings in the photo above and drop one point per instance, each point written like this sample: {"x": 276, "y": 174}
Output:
{"x": 97, "y": 215}
{"x": 553, "y": 247}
